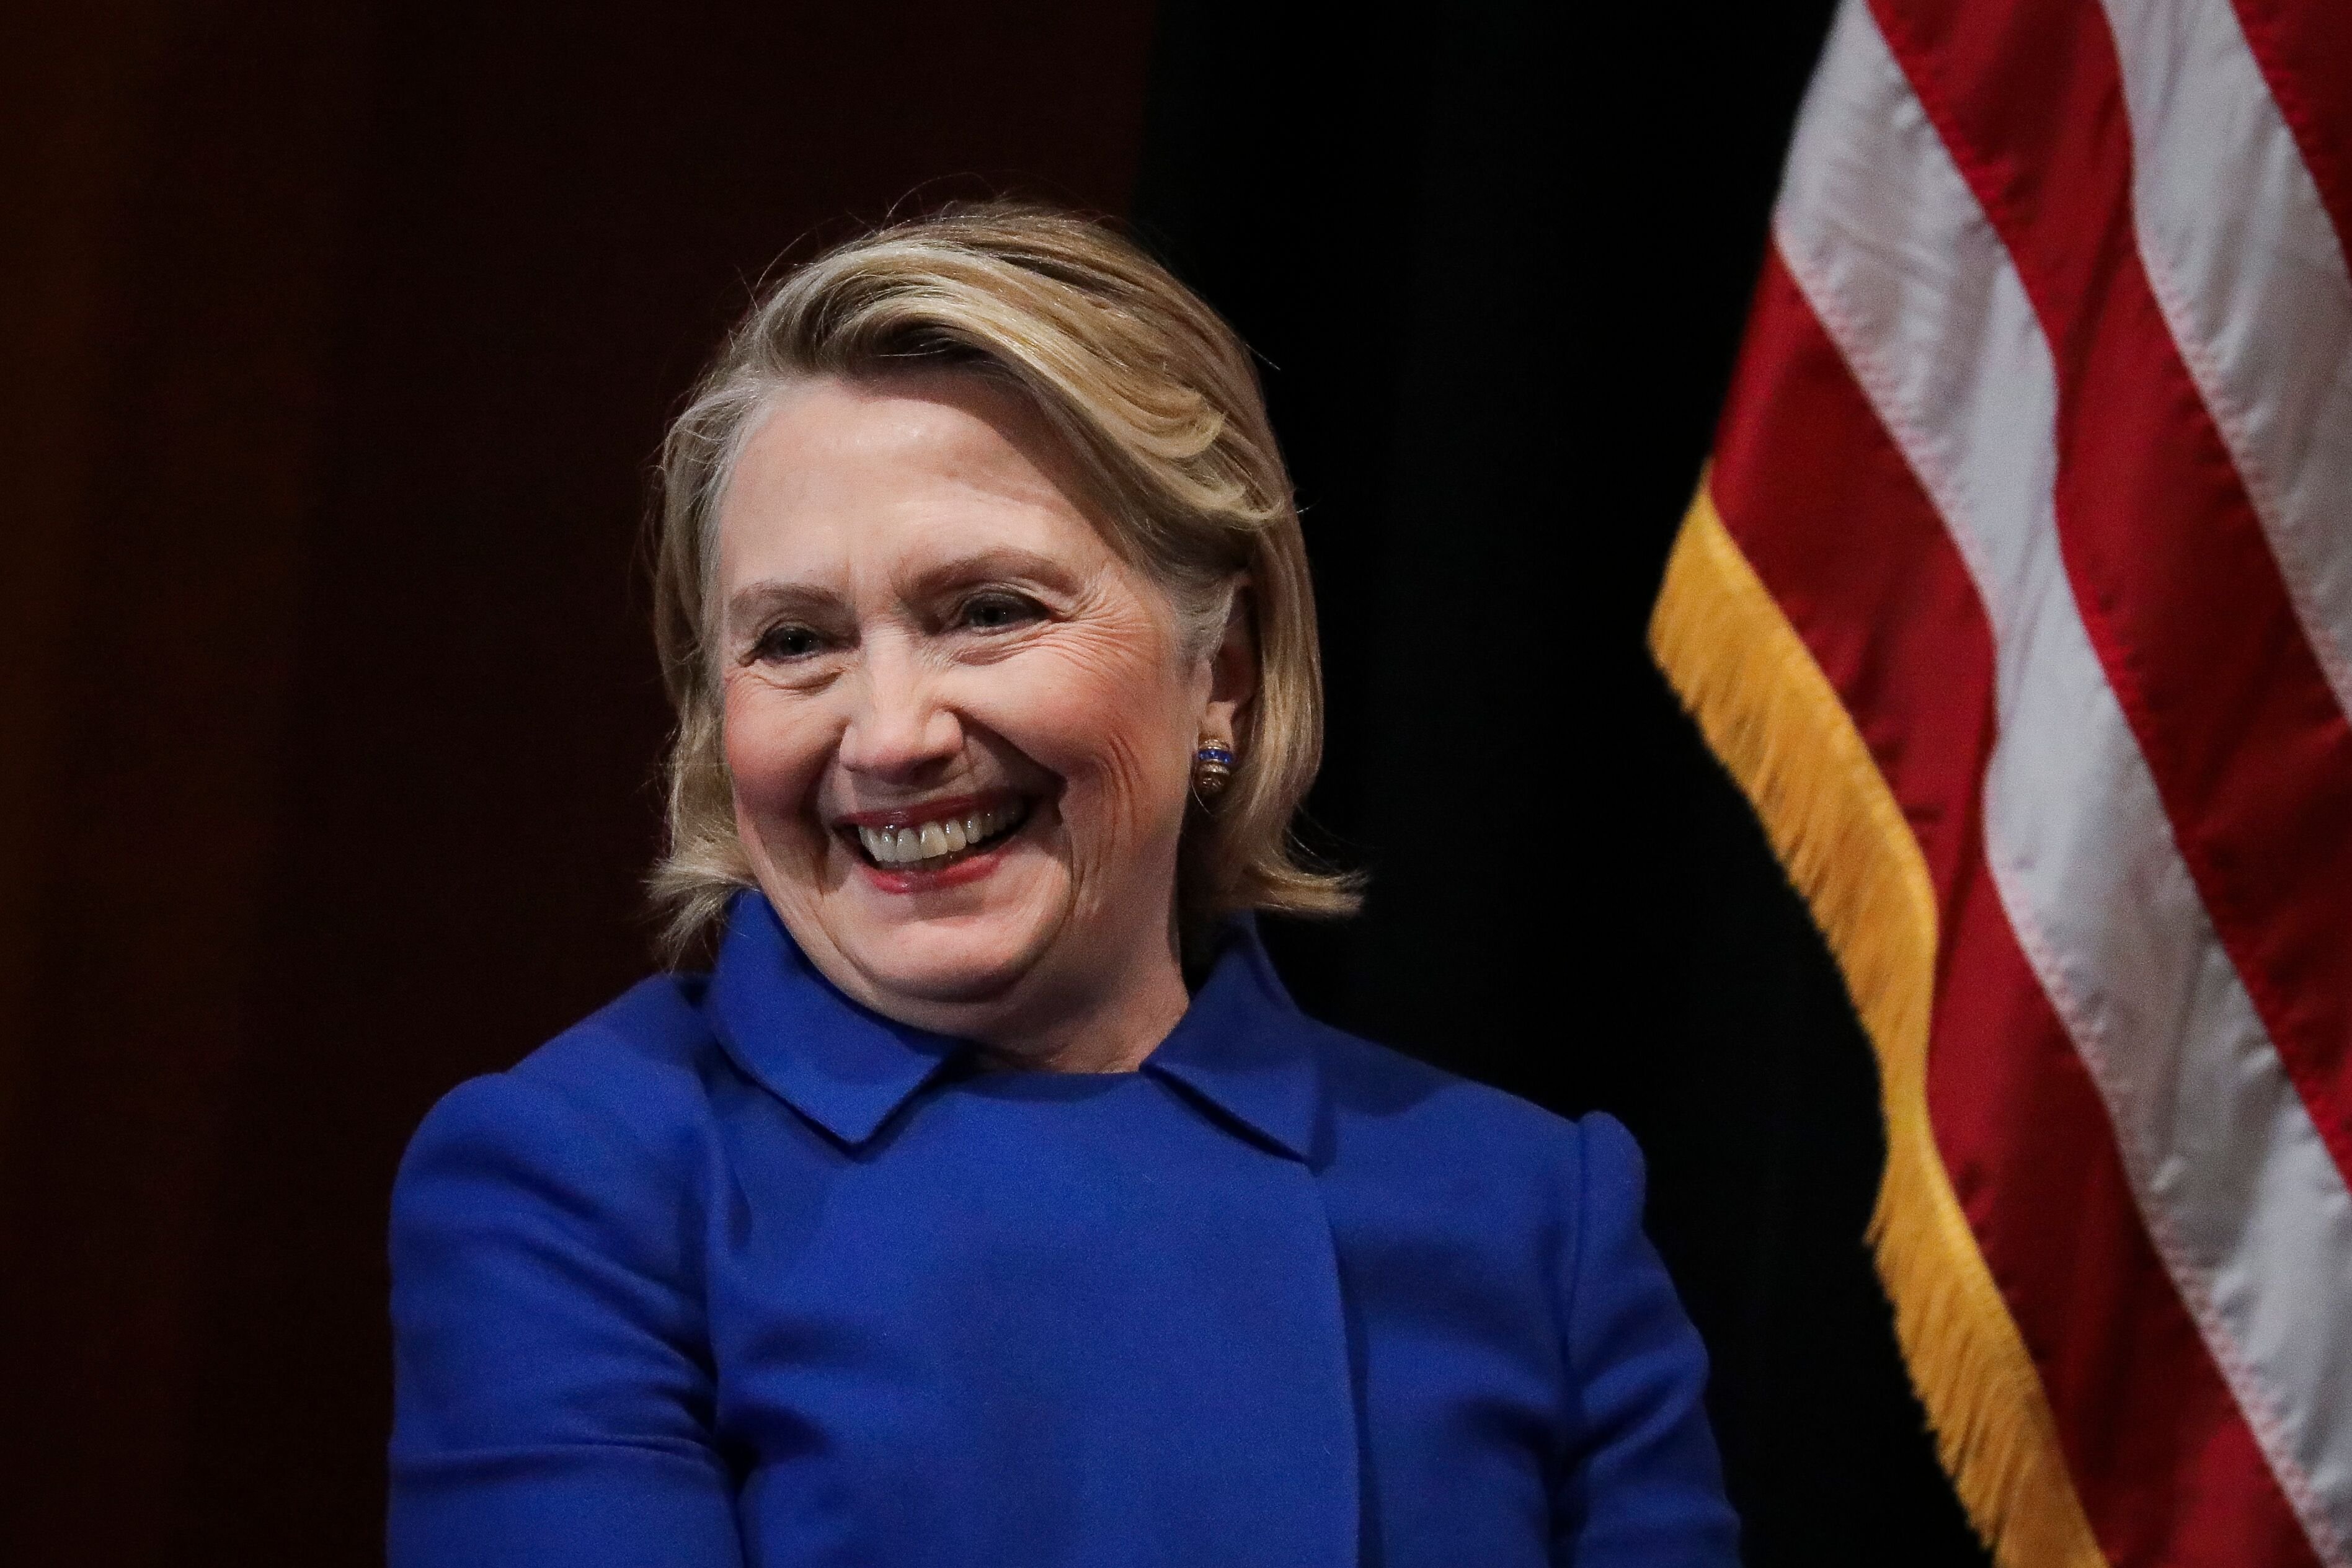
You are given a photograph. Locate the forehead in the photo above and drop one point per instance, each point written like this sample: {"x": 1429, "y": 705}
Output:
{"x": 855, "y": 477}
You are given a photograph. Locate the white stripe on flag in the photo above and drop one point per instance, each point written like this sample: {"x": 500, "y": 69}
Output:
{"x": 2248, "y": 1211}
{"x": 2252, "y": 280}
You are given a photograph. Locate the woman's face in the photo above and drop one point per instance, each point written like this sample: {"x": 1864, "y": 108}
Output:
{"x": 960, "y": 727}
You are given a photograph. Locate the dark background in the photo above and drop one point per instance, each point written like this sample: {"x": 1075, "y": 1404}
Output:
{"x": 337, "y": 339}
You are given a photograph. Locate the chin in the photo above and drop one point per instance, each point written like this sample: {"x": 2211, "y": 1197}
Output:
{"x": 947, "y": 961}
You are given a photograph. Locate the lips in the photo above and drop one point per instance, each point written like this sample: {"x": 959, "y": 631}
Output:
{"x": 935, "y": 836}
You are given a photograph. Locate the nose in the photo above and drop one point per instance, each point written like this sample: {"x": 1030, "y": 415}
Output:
{"x": 899, "y": 730}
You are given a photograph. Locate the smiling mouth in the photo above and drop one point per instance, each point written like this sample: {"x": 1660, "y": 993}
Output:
{"x": 934, "y": 843}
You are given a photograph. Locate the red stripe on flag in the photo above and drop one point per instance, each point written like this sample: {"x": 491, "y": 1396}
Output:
{"x": 1837, "y": 527}
{"x": 2305, "y": 50}
{"x": 2162, "y": 1457}
{"x": 1800, "y": 462}
{"x": 2177, "y": 584}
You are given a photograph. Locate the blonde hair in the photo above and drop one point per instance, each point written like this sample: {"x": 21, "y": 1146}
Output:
{"x": 1157, "y": 398}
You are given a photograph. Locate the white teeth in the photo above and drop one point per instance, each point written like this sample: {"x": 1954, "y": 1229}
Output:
{"x": 930, "y": 841}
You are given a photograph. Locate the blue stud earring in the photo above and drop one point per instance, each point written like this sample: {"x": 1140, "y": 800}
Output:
{"x": 1212, "y": 769}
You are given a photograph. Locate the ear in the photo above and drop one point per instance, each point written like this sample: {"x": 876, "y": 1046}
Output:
{"x": 1233, "y": 669}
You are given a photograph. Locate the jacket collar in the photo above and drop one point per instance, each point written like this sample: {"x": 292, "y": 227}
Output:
{"x": 1242, "y": 1046}
{"x": 1245, "y": 1047}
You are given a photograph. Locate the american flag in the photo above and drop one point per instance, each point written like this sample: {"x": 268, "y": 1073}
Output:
{"x": 2018, "y": 598}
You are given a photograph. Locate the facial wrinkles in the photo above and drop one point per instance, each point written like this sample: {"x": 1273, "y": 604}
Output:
{"x": 1101, "y": 663}
{"x": 1124, "y": 782}
{"x": 1100, "y": 658}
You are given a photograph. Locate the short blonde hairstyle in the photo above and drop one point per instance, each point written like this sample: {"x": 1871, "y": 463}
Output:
{"x": 1157, "y": 398}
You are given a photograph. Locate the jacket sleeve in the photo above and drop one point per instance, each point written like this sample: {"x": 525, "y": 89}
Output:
{"x": 552, "y": 1394}
{"x": 1641, "y": 1486}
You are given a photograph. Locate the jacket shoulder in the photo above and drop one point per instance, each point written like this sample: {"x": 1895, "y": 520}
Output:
{"x": 626, "y": 1090}
{"x": 1541, "y": 1197}
{"x": 651, "y": 1039}
{"x": 1398, "y": 1120}
{"x": 1380, "y": 1092}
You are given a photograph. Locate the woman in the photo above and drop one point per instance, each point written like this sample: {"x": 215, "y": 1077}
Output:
{"x": 989, "y": 1203}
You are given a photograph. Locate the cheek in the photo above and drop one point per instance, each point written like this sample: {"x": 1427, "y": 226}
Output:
{"x": 1109, "y": 721}
{"x": 773, "y": 750}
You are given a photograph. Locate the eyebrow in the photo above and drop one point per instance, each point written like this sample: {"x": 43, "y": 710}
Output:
{"x": 765, "y": 601}
{"x": 1002, "y": 562}
{"x": 760, "y": 601}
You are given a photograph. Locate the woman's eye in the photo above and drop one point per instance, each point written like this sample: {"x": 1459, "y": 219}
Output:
{"x": 995, "y": 612}
{"x": 786, "y": 643}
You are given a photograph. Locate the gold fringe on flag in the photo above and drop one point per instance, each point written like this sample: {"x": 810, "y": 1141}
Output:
{"x": 1776, "y": 722}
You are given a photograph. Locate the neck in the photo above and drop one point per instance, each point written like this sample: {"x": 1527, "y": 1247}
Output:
{"x": 1111, "y": 1029}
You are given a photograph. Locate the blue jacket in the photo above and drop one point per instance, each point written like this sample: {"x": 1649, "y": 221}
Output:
{"x": 737, "y": 1274}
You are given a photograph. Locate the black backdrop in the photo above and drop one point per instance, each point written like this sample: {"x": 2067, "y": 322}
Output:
{"x": 336, "y": 348}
